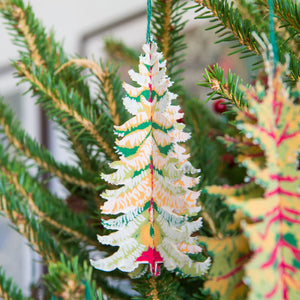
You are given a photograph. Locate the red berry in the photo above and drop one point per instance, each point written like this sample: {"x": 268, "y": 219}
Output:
{"x": 219, "y": 107}
{"x": 263, "y": 78}
{"x": 182, "y": 119}
{"x": 228, "y": 159}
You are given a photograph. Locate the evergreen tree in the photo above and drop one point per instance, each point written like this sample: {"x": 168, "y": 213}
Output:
{"x": 65, "y": 239}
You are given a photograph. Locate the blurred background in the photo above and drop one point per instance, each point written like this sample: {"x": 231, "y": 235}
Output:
{"x": 83, "y": 26}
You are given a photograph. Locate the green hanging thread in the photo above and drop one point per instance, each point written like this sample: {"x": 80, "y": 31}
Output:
{"x": 149, "y": 12}
{"x": 272, "y": 32}
{"x": 87, "y": 290}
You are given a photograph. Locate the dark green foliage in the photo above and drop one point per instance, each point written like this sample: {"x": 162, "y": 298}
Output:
{"x": 121, "y": 53}
{"x": 224, "y": 87}
{"x": 233, "y": 25}
{"x": 43, "y": 158}
{"x": 230, "y": 26}
{"x": 165, "y": 286}
{"x": 204, "y": 295}
{"x": 65, "y": 275}
{"x": 167, "y": 27}
{"x": 26, "y": 223}
{"x": 26, "y": 187}
{"x": 204, "y": 127}
{"x": 289, "y": 12}
{"x": 41, "y": 57}
{"x": 111, "y": 92}
{"x": 68, "y": 108}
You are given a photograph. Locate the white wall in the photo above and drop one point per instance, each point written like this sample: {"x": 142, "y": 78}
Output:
{"x": 71, "y": 19}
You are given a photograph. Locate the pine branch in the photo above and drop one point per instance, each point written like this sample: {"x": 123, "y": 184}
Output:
{"x": 52, "y": 56}
{"x": 121, "y": 53}
{"x": 165, "y": 38}
{"x": 252, "y": 11}
{"x": 287, "y": 36}
{"x": 68, "y": 279}
{"x": 8, "y": 289}
{"x": 23, "y": 29}
{"x": 29, "y": 34}
{"x": 214, "y": 78}
{"x": 288, "y": 11}
{"x": 163, "y": 287}
{"x": 294, "y": 75}
{"x": 211, "y": 224}
{"x": 109, "y": 95}
{"x": 154, "y": 292}
{"x": 231, "y": 26}
{"x": 61, "y": 103}
{"x": 42, "y": 216}
{"x": 86, "y": 63}
{"x": 26, "y": 224}
{"x": 167, "y": 30}
{"x": 109, "y": 84}
{"x": 41, "y": 201}
{"x": 29, "y": 147}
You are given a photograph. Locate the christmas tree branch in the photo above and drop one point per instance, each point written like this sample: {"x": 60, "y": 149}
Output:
{"x": 154, "y": 292}
{"x": 163, "y": 287}
{"x": 165, "y": 38}
{"x": 43, "y": 217}
{"x": 86, "y": 63}
{"x": 121, "y": 53}
{"x": 228, "y": 17}
{"x": 288, "y": 11}
{"x": 79, "y": 149}
{"x": 66, "y": 108}
{"x": 110, "y": 292}
{"x": 287, "y": 23}
{"x": 105, "y": 78}
{"x": 42, "y": 157}
{"x": 47, "y": 207}
{"x": 108, "y": 92}
{"x": 233, "y": 27}
{"x": 210, "y": 222}
{"x": 228, "y": 89}
{"x": 27, "y": 225}
{"x": 19, "y": 15}
{"x": 49, "y": 51}
{"x": 16, "y": 13}
{"x": 68, "y": 279}
{"x": 167, "y": 29}
{"x": 252, "y": 11}
{"x": 8, "y": 289}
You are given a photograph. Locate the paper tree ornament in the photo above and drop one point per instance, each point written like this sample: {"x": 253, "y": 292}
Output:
{"x": 272, "y": 123}
{"x": 155, "y": 200}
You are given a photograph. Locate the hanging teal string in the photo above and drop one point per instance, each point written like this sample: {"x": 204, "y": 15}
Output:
{"x": 272, "y": 31}
{"x": 87, "y": 290}
{"x": 149, "y": 11}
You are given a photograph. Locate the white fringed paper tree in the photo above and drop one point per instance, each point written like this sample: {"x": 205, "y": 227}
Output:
{"x": 155, "y": 200}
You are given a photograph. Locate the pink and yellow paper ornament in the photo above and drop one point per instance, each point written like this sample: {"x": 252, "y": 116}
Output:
{"x": 155, "y": 199}
{"x": 272, "y": 123}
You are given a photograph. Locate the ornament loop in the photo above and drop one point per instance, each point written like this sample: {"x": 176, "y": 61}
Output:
{"x": 149, "y": 12}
